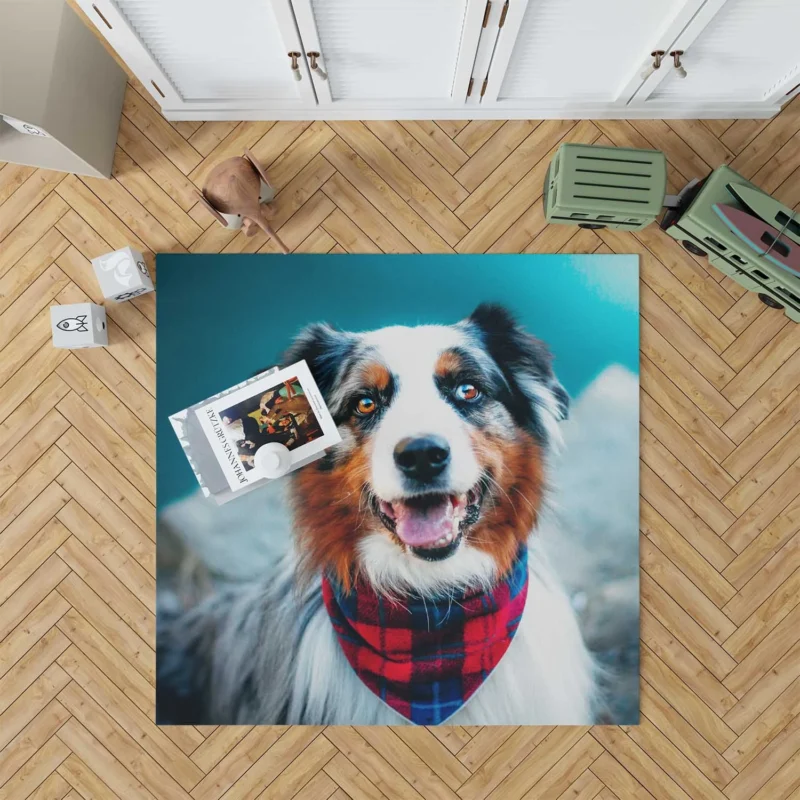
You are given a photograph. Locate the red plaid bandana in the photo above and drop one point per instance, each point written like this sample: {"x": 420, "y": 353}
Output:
{"x": 425, "y": 659}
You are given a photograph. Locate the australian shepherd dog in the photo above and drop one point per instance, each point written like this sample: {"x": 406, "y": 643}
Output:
{"x": 431, "y": 498}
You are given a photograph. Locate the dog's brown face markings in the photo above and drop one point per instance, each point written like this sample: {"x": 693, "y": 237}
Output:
{"x": 448, "y": 364}
{"x": 487, "y": 390}
{"x": 375, "y": 376}
{"x": 515, "y": 472}
{"x": 511, "y": 506}
{"x": 334, "y": 514}
{"x": 333, "y": 510}
{"x": 332, "y": 503}
{"x": 330, "y": 509}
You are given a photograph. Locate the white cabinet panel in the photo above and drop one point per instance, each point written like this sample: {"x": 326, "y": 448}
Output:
{"x": 206, "y": 52}
{"x": 211, "y": 50}
{"x": 583, "y": 50}
{"x": 430, "y": 59}
{"x": 749, "y": 50}
{"x": 389, "y": 51}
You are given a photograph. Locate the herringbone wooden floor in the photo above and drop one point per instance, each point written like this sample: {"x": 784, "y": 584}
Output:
{"x": 720, "y": 471}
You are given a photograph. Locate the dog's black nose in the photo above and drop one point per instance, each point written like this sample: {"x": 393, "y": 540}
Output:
{"x": 422, "y": 458}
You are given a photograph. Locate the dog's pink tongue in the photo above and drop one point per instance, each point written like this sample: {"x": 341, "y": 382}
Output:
{"x": 422, "y": 526}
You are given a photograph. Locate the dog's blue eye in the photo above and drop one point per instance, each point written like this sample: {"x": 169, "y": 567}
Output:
{"x": 468, "y": 392}
{"x": 365, "y": 405}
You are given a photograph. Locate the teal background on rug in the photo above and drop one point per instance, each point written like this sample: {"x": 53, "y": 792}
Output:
{"x": 221, "y": 318}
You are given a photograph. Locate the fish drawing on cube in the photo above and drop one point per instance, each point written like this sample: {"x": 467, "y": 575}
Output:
{"x": 122, "y": 275}
{"x": 78, "y": 325}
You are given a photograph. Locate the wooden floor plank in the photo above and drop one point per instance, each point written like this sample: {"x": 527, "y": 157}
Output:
{"x": 419, "y": 161}
{"x": 683, "y": 411}
{"x": 12, "y": 176}
{"x": 372, "y": 225}
{"x": 31, "y": 629}
{"x": 84, "y": 781}
{"x": 118, "y": 723}
{"x": 298, "y": 154}
{"x": 705, "y": 143}
{"x": 538, "y": 144}
{"x": 705, "y": 760}
{"x": 154, "y": 199}
{"x": 765, "y": 618}
{"x": 107, "y": 477}
{"x": 153, "y": 161}
{"x": 761, "y": 697}
{"x": 38, "y": 294}
{"x": 31, "y": 720}
{"x": 493, "y": 152}
{"x": 476, "y": 133}
{"x": 108, "y": 770}
{"x": 209, "y": 135}
{"x": 437, "y": 143}
{"x": 32, "y": 192}
{"x": 95, "y": 608}
{"x": 159, "y": 131}
{"x": 30, "y": 267}
{"x": 36, "y": 770}
{"x": 693, "y": 676}
{"x": 683, "y": 555}
{"x": 111, "y": 445}
{"x": 683, "y": 591}
{"x": 392, "y": 188}
{"x": 769, "y": 725}
{"x": 36, "y": 735}
{"x": 639, "y": 764}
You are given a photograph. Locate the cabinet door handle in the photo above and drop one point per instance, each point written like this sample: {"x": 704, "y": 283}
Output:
{"x": 294, "y": 55}
{"x": 313, "y": 56}
{"x": 676, "y": 58}
{"x": 100, "y": 14}
{"x": 657, "y": 56}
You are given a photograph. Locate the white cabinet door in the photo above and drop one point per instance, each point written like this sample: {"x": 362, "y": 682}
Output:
{"x": 390, "y": 53}
{"x": 579, "y": 53}
{"x": 742, "y": 51}
{"x": 207, "y": 53}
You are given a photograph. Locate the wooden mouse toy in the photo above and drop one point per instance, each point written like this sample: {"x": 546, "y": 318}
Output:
{"x": 233, "y": 189}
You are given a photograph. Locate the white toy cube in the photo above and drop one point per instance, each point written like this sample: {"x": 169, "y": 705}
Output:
{"x": 122, "y": 274}
{"x": 78, "y": 325}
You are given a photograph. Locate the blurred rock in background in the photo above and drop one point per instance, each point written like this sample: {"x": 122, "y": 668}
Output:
{"x": 591, "y": 530}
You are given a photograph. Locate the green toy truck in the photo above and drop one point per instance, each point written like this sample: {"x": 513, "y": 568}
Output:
{"x": 616, "y": 187}
{"x": 702, "y": 232}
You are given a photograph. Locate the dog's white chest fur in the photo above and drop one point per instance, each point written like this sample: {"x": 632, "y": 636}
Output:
{"x": 545, "y": 677}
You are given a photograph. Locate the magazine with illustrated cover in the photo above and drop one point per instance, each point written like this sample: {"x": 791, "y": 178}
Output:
{"x": 284, "y": 407}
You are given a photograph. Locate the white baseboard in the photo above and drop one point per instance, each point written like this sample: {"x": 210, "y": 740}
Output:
{"x": 651, "y": 111}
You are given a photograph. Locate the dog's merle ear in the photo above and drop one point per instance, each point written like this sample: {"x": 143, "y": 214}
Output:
{"x": 327, "y": 351}
{"x": 540, "y": 400}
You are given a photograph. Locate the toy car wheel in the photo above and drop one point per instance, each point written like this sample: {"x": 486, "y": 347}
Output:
{"x": 769, "y": 301}
{"x": 693, "y": 248}
{"x": 592, "y": 226}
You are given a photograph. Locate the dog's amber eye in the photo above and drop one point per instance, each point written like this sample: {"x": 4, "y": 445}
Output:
{"x": 365, "y": 405}
{"x": 467, "y": 391}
